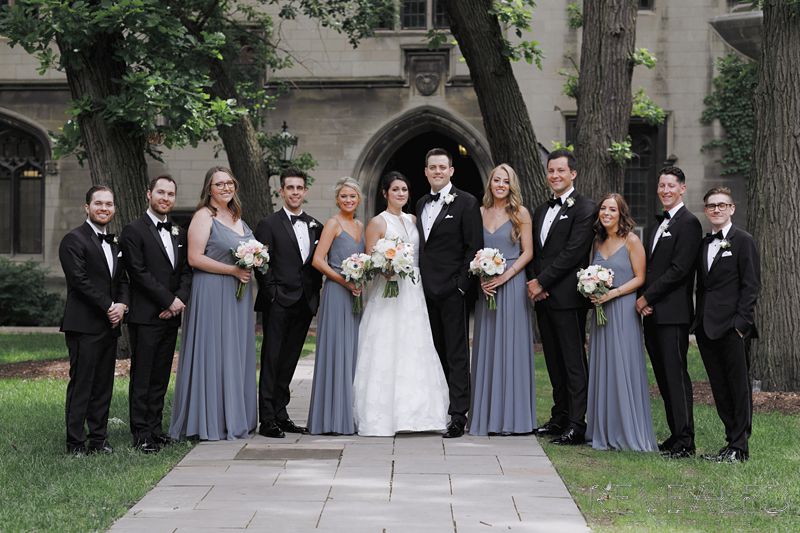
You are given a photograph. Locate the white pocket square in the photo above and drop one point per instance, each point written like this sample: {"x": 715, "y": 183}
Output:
{"x": 727, "y": 254}
{"x": 666, "y": 234}
{"x": 119, "y": 254}
{"x": 180, "y": 246}
{"x": 563, "y": 217}
{"x": 448, "y": 216}
{"x": 316, "y": 242}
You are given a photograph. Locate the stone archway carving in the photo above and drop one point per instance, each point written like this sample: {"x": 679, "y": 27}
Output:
{"x": 408, "y": 125}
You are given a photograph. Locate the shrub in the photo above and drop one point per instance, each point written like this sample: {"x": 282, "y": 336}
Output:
{"x": 24, "y": 300}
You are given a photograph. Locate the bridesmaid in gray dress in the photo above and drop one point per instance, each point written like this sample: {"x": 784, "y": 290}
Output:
{"x": 503, "y": 386}
{"x": 618, "y": 414}
{"x": 331, "y": 409}
{"x": 215, "y": 389}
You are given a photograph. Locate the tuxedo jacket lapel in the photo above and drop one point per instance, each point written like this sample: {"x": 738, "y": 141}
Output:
{"x": 154, "y": 232}
{"x": 311, "y": 242}
{"x": 557, "y": 219}
{"x": 287, "y": 225}
{"x": 443, "y": 211}
{"x": 99, "y": 254}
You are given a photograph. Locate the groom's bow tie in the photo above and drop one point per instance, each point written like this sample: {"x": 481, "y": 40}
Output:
{"x": 435, "y": 197}
{"x": 164, "y": 225}
{"x": 552, "y": 202}
{"x": 295, "y": 218}
{"x": 663, "y": 216}
{"x": 108, "y": 237}
{"x": 712, "y": 236}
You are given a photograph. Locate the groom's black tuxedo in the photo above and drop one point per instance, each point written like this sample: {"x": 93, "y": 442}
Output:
{"x": 726, "y": 299}
{"x": 668, "y": 290}
{"x": 562, "y": 315}
{"x": 455, "y": 237}
{"x": 91, "y": 339}
{"x": 154, "y": 285}
{"x": 288, "y": 296}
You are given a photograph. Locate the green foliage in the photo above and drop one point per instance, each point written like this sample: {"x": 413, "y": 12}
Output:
{"x": 24, "y": 301}
{"x": 557, "y": 145}
{"x": 517, "y": 14}
{"x": 570, "y": 87}
{"x": 621, "y": 152}
{"x": 731, "y": 102}
{"x": 646, "y": 108}
{"x": 643, "y": 56}
{"x": 574, "y": 15}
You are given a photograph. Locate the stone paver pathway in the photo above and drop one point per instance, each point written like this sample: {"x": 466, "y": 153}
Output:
{"x": 408, "y": 483}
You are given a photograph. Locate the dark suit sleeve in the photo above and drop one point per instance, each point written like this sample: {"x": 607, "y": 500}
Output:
{"x": 72, "y": 254}
{"x": 133, "y": 254}
{"x": 263, "y": 234}
{"x": 688, "y": 243}
{"x": 472, "y": 231}
{"x": 575, "y": 250}
{"x": 185, "y": 284}
{"x": 123, "y": 293}
{"x": 749, "y": 267}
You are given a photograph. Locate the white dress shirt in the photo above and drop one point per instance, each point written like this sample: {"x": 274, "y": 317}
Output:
{"x": 551, "y": 214}
{"x": 106, "y": 247}
{"x": 664, "y": 224}
{"x": 713, "y": 246}
{"x": 301, "y": 232}
{"x": 432, "y": 210}
{"x": 166, "y": 237}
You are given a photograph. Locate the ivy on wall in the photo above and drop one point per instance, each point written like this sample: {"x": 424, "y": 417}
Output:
{"x": 731, "y": 102}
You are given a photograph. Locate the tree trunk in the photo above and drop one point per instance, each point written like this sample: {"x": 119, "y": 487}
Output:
{"x": 505, "y": 116}
{"x": 245, "y": 155}
{"x": 604, "y": 93}
{"x": 774, "y": 199}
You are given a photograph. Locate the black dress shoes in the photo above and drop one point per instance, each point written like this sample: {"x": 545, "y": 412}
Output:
{"x": 666, "y": 445}
{"x": 569, "y": 438}
{"x": 678, "y": 453}
{"x": 271, "y": 429}
{"x": 728, "y": 455}
{"x": 290, "y": 427}
{"x": 76, "y": 451}
{"x": 146, "y": 446}
{"x": 549, "y": 429}
{"x": 103, "y": 448}
{"x": 455, "y": 429}
{"x": 163, "y": 440}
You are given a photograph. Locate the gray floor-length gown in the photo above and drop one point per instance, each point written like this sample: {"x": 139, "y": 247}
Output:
{"x": 215, "y": 388}
{"x": 503, "y": 385}
{"x": 618, "y": 412}
{"x": 337, "y": 341}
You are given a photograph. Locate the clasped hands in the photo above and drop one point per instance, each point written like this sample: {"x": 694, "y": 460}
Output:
{"x": 536, "y": 292}
{"x": 175, "y": 308}
{"x": 642, "y": 307}
{"x": 115, "y": 313}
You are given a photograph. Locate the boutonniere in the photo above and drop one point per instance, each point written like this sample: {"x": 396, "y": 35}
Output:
{"x": 570, "y": 202}
{"x": 448, "y": 198}
{"x": 116, "y": 239}
{"x": 175, "y": 231}
{"x": 724, "y": 245}
{"x": 313, "y": 224}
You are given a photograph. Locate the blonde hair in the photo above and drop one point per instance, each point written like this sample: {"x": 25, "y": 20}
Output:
{"x": 514, "y": 206}
{"x": 347, "y": 181}
{"x": 234, "y": 206}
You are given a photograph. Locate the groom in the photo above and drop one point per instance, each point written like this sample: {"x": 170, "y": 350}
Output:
{"x": 451, "y": 232}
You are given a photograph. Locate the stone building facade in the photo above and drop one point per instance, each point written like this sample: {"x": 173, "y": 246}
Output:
{"x": 378, "y": 107}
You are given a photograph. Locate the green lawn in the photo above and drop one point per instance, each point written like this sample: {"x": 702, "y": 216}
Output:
{"x": 17, "y": 347}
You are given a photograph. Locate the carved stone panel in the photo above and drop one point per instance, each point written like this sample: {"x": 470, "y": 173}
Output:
{"x": 426, "y": 70}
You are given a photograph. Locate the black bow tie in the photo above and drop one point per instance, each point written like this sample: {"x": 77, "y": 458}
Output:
{"x": 295, "y": 218}
{"x": 554, "y": 201}
{"x": 711, "y": 236}
{"x": 435, "y": 197}
{"x": 164, "y": 225}
{"x": 108, "y": 237}
{"x": 663, "y": 216}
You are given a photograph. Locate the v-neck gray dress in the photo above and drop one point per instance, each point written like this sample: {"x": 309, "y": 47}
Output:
{"x": 215, "y": 388}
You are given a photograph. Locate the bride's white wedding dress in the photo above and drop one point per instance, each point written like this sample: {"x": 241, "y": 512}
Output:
{"x": 399, "y": 383}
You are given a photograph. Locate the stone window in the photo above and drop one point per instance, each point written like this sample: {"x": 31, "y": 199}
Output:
{"x": 22, "y": 169}
{"x": 646, "y": 5}
{"x": 414, "y": 15}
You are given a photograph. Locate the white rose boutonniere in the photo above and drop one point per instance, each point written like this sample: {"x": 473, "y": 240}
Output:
{"x": 175, "y": 231}
{"x": 724, "y": 245}
{"x": 570, "y": 202}
{"x": 313, "y": 224}
{"x": 448, "y": 198}
{"x": 116, "y": 239}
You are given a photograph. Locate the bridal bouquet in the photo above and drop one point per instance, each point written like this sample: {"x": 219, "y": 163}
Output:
{"x": 596, "y": 280}
{"x": 250, "y": 254}
{"x": 488, "y": 263}
{"x": 390, "y": 257}
{"x": 356, "y": 269}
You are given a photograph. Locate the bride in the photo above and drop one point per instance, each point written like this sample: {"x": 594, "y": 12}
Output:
{"x": 399, "y": 383}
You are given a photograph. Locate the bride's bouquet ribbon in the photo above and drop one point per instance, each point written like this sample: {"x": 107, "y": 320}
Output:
{"x": 487, "y": 264}
{"x": 392, "y": 256}
{"x": 356, "y": 269}
{"x": 250, "y": 255}
{"x": 596, "y": 280}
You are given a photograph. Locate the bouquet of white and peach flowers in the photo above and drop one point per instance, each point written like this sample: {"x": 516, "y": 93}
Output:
{"x": 356, "y": 269}
{"x": 390, "y": 257}
{"x": 249, "y": 255}
{"x": 596, "y": 280}
{"x": 487, "y": 264}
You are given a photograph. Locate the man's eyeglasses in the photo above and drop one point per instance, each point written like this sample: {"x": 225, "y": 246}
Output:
{"x": 720, "y": 206}
{"x": 222, "y": 185}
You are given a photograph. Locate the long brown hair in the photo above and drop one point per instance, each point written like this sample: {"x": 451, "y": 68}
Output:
{"x": 513, "y": 208}
{"x": 234, "y": 206}
{"x": 626, "y": 222}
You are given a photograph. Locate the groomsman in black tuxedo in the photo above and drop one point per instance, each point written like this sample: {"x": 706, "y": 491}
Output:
{"x": 160, "y": 280}
{"x": 451, "y": 232}
{"x": 728, "y": 282}
{"x": 672, "y": 245}
{"x": 288, "y": 296}
{"x": 562, "y": 240}
{"x": 97, "y": 299}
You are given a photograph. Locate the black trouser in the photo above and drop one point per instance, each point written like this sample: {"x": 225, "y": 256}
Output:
{"x": 727, "y": 365}
{"x": 563, "y": 334}
{"x": 153, "y": 348}
{"x": 449, "y": 320}
{"x": 285, "y": 330}
{"x": 668, "y": 345}
{"x": 91, "y": 382}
